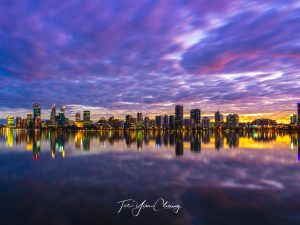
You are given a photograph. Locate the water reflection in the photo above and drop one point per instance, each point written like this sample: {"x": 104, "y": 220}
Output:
{"x": 192, "y": 141}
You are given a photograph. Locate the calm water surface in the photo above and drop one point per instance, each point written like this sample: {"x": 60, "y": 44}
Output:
{"x": 77, "y": 177}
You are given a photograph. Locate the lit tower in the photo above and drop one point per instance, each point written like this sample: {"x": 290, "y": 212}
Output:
{"x": 178, "y": 116}
{"x": 36, "y": 110}
{"x": 53, "y": 113}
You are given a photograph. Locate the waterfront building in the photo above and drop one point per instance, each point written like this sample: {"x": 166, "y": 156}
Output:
{"x": 10, "y": 121}
{"x": 178, "y": 116}
{"x": 195, "y": 116}
{"x": 139, "y": 116}
{"x": 293, "y": 119}
{"x": 206, "y": 123}
{"x": 232, "y": 121}
{"x": 53, "y": 114}
{"x": 36, "y": 111}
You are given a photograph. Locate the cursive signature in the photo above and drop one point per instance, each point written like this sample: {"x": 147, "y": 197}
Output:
{"x": 137, "y": 207}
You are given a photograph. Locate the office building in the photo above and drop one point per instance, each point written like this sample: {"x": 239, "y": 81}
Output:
{"x": 53, "y": 114}
{"x": 19, "y": 122}
{"x": 219, "y": 119}
{"x": 205, "y": 123}
{"x": 195, "y": 116}
{"x": 187, "y": 123}
{"x": 139, "y": 116}
{"x": 293, "y": 119}
{"x": 77, "y": 117}
{"x": 158, "y": 122}
{"x": 86, "y": 116}
{"x": 10, "y": 121}
{"x": 165, "y": 121}
{"x": 61, "y": 118}
{"x": 36, "y": 111}
{"x": 178, "y": 116}
{"x": 171, "y": 121}
{"x": 127, "y": 123}
{"x": 232, "y": 121}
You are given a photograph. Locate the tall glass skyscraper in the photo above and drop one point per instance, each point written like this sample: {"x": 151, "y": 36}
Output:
{"x": 195, "y": 115}
{"x": 36, "y": 110}
{"x": 178, "y": 116}
{"x": 53, "y": 113}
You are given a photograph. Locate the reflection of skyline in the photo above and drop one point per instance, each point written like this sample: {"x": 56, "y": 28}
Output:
{"x": 193, "y": 141}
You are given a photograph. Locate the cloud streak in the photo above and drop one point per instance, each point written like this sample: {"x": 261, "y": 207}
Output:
{"x": 120, "y": 57}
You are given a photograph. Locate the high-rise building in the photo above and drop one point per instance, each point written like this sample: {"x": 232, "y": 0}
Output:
{"x": 19, "y": 122}
{"x": 86, "y": 116}
{"x": 178, "y": 116}
{"x": 36, "y": 111}
{"x": 298, "y": 110}
{"x": 53, "y": 113}
{"x": 61, "y": 118}
{"x": 139, "y": 116}
{"x": 30, "y": 122}
{"x": 77, "y": 117}
{"x": 158, "y": 121}
{"x": 205, "y": 123}
{"x": 219, "y": 119}
{"x": 195, "y": 115}
{"x": 127, "y": 123}
{"x": 171, "y": 121}
{"x": 187, "y": 123}
{"x": 293, "y": 119}
{"x": 232, "y": 121}
{"x": 146, "y": 122}
{"x": 166, "y": 121}
{"x": 10, "y": 121}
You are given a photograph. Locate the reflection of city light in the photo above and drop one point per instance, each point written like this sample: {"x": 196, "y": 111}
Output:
{"x": 292, "y": 145}
{"x": 29, "y": 147}
{"x": 53, "y": 154}
{"x": 63, "y": 154}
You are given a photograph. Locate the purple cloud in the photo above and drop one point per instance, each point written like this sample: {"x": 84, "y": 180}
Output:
{"x": 120, "y": 57}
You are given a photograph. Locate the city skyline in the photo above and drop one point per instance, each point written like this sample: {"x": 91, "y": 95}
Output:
{"x": 48, "y": 113}
{"x": 175, "y": 120}
{"x": 233, "y": 56}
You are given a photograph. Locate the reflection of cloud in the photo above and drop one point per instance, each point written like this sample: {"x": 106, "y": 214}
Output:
{"x": 235, "y": 56}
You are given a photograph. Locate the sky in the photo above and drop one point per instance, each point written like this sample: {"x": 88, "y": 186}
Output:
{"x": 120, "y": 57}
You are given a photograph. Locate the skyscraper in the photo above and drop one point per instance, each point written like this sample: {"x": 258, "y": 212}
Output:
{"x": 61, "y": 118}
{"x": 293, "y": 119}
{"x": 158, "y": 121}
{"x": 53, "y": 113}
{"x": 19, "y": 122}
{"x": 165, "y": 121}
{"x": 206, "y": 123}
{"x": 86, "y": 116}
{"x": 127, "y": 123}
{"x": 77, "y": 117}
{"x": 232, "y": 121}
{"x": 172, "y": 122}
{"x": 195, "y": 115}
{"x": 218, "y": 119}
{"x": 10, "y": 121}
{"x": 139, "y": 116}
{"x": 36, "y": 111}
{"x": 298, "y": 110}
{"x": 178, "y": 116}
